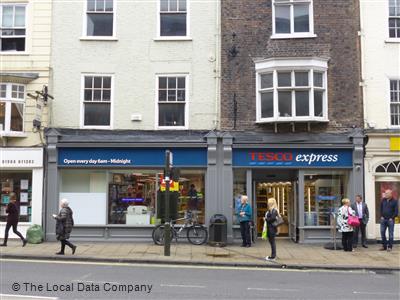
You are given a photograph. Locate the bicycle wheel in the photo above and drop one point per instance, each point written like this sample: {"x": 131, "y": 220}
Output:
{"x": 197, "y": 234}
{"x": 158, "y": 235}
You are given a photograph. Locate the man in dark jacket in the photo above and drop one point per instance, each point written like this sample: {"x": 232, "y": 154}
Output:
{"x": 12, "y": 220}
{"x": 362, "y": 213}
{"x": 389, "y": 210}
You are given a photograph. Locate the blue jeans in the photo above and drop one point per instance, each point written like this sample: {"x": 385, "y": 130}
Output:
{"x": 386, "y": 223}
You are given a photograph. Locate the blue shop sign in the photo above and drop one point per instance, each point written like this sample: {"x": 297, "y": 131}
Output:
{"x": 293, "y": 157}
{"x": 101, "y": 157}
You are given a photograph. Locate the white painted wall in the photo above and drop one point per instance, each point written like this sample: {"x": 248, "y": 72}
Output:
{"x": 36, "y": 59}
{"x": 135, "y": 59}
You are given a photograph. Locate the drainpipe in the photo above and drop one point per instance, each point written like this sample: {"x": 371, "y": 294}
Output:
{"x": 217, "y": 63}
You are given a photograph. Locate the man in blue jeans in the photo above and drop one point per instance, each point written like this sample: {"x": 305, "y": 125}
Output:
{"x": 389, "y": 210}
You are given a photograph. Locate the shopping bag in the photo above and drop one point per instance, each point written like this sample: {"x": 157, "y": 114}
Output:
{"x": 264, "y": 232}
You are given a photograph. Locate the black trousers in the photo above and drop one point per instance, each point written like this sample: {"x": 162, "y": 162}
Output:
{"x": 347, "y": 241}
{"x": 271, "y": 240}
{"x": 245, "y": 232}
{"x": 65, "y": 242}
{"x": 14, "y": 227}
{"x": 357, "y": 230}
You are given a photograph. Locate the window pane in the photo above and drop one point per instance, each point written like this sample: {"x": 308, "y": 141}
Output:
{"x": 171, "y": 115}
{"x": 267, "y": 105}
{"x": 301, "y": 78}
{"x": 162, "y": 82}
{"x": 106, "y": 95}
{"x": 106, "y": 82}
{"x": 266, "y": 81}
{"x": 20, "y": 16}
{"x": 17, "y": 114}
{"x": 97, "y": 95}
{"x": 302, "y": 103}
{"x": 3, "y": 90}
{"x": 318, "y": 79}
{"x": 88, "y": 95}
{"x": 100, "y": 24}
{"x": 181, "y": 95}
{"x": 97, "y": 82}
{"x": 162, "y": 95}
{"x": 181, "y": 82}
{"x": 182, "y": 5}
{"x": 88, "y": 82}
{"x": 164, "y": 5}
{"x": 284, "y": 79}
{"x": 318, "y": 103}
{"x": 282, "y": 19}
{"x": 97, "y": 114}
{"x": 109, "y": 5}
{"x": 91, "y": 5}
{"x": 99, "y": 5}
{"x": 2, "y": 116}
{"x": 395, "y": 114}
{"x": 301, "y": 18}
{"x": 173, "y": 5}
{"x": 173, "y": 24}
{"x": 172, "y": 82}
{"x": 285, "y": 104}
{"x": 13, "y": 44}
{"x": 7, "y": 16}
{"x": 171, "y": 95}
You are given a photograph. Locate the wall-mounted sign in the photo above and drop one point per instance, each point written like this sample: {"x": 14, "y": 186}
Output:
{"x": 21, "y": 157}
{"x": 100, "y": 157}
{"x": 293, "y": 157}
{"x": 395, "y": 144}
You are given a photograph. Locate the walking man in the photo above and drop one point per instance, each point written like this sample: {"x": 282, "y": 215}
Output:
{"x": 362, "y": 213}
{"x": 389, "y": 210}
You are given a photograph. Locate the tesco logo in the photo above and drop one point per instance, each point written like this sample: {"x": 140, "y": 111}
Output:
{"x": 271, "y": 156}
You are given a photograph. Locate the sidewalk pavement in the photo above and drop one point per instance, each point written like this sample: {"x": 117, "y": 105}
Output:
{"x": 289, "y": 255}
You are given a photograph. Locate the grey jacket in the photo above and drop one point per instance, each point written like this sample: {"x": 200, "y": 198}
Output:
{"x": 365, "y": 211}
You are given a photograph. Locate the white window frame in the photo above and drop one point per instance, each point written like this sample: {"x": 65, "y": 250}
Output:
{"x": 187, "y": 80}
{"x": 99, "y": 37}
{"x": 187, "y": 37}
{"x": 292, "y": 34}
{"x": 390, "y": 102}
{"x": 389, "y": 38}
{"x": 8, "y": 100}
{"x": 82, "y": 102}
{"x": 26, "y": 27}
{"x": 273, "y": 65}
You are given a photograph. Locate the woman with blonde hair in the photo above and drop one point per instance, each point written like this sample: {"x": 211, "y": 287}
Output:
{"x": 270, "y": 217}
{"x": 343, "y": 221}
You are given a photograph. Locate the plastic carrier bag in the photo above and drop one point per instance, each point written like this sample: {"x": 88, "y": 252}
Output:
{"x": 35, "y": 234}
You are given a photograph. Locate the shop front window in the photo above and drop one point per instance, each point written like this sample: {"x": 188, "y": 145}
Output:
{"x": 239, "y": 189}
{"x": 20, "y": 183}
{"x": 322, "y": 196}
{"x": 380, "y": 188}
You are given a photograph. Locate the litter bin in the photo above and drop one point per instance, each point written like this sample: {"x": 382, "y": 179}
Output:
{"x": 218, "y": 231}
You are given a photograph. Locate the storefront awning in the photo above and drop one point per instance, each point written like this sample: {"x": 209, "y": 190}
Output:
{"x": 23, "y": 78}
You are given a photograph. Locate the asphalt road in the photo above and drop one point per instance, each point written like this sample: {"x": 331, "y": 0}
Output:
{"x": 68, "y": 280}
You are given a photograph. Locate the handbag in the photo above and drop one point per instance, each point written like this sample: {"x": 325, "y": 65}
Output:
{"x": 279, "y": 221}
{"x": 353, "y": 221}
{"x": 264, "y": 232}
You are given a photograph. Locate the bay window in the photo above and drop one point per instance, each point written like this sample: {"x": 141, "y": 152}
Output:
{"x": 12, "y": 104}
{"x": 291, "y": 90}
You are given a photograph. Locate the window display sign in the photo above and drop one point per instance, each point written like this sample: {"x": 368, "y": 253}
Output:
{"x": 91, "y": 157}
{"x": 293, "y": 157}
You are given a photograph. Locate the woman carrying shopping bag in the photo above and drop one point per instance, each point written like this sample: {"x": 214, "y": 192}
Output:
{"x": 346, "y": 213}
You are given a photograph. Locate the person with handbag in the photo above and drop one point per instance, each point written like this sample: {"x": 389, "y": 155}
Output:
{"x": 244, "y": 217}
{"x": 273, "y": 219}
{"x": 64, "y": 224}
{"x": 346, "y": 215}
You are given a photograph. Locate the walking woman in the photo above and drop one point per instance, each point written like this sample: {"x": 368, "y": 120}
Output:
{"x": 244, "y": 216}
{"x": 270, "y": 217}
{"x": 64, "y": 225}
{"x": 12, "y": 220}
{"x": 343, "y": 221}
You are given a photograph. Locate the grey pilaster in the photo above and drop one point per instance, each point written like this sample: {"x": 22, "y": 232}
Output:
{"x": 226, "y": 182}
{"x": 357, "y": 181}
{"x": 211, "y": 204}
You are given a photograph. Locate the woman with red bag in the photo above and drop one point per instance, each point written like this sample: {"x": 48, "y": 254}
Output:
{"x": 345, "y": 211}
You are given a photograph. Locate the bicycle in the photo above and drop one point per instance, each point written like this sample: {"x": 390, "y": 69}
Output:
{"x": 196, "y": 233}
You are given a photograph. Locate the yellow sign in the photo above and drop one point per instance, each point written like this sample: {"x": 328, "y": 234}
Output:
{"x": 395, "y": 144}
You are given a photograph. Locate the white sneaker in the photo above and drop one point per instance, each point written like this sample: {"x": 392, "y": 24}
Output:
{"x": 268, "y": 258}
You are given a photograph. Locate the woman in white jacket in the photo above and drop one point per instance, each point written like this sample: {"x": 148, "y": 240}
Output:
{"x": 343, "y": 221}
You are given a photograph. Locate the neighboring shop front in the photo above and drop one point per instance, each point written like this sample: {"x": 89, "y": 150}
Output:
{"x": 115, "y": 189}
{"x": 382, "y": 172}
{"x": 308, "y": 179}
{"x": 21, "y": 172}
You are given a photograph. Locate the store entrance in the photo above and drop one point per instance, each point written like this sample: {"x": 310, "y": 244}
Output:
{"x": 281, "y": 185}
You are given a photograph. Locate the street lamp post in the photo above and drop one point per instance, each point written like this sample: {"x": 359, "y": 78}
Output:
{"x": 167, "y": 231}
